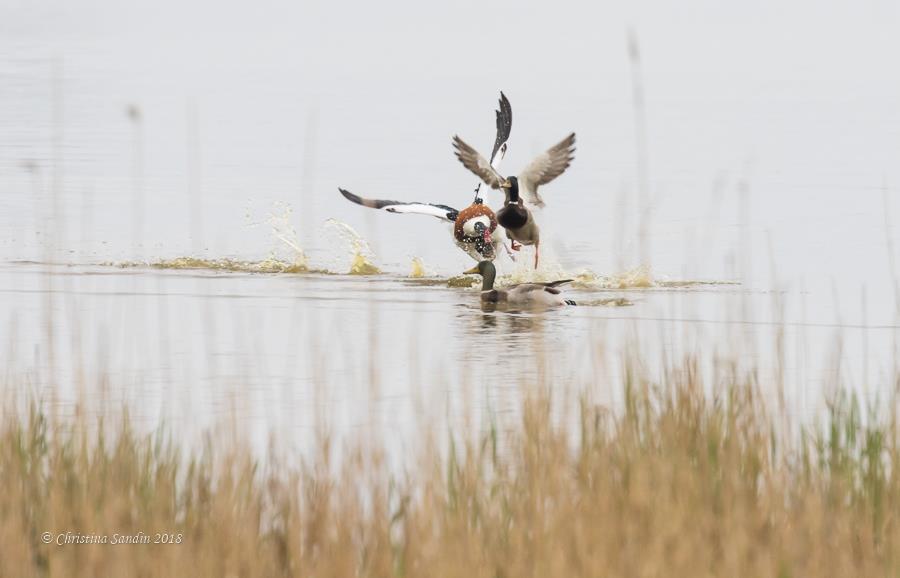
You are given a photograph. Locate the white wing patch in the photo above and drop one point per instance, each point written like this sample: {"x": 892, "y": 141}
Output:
{"x": 418, "y": 209}
{"x": 442, "y": 212}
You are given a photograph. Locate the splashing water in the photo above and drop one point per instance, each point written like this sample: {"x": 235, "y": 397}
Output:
{"x": 362, "y": 266}
{"x": 418, "y": 268}
{"x": 464, "y": 281}
{"x": 639, "y": 278}
{"x": 525, "y": 273}
{"x": 270, "y": 265}
{"x": 279, "y": 221}
{"x": 362, "y": 255}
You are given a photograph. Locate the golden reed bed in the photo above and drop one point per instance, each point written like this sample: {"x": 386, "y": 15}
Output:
{"x": 683, "y": 481}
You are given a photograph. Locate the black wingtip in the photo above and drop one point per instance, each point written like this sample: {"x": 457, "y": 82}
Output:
{"x": 350, "y": 196}
{"x": 504, "y": 124}
{"x": 505, "y": 107}
{"x": 504, "y": 117}
{"x": 570, "y": 302}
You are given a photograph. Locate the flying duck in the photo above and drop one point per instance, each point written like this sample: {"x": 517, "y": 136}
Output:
{"x": 515, "y": 217}
{"x": 474, "y": 227}
{"x": 521, "y": 295}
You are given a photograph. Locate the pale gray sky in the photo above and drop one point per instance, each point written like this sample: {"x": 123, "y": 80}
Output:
{"x": 799, "y": 98}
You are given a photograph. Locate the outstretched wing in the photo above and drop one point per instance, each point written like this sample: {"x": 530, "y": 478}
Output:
{"x": 545, "y": 168}
{"x": 476, "y": 163}
{"x": 442, "y": 212}
{"x": 501, "y": 140}
{"x": 504, "y": 126}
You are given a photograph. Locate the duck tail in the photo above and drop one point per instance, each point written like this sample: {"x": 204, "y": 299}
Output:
{"x": 570, "y": 302}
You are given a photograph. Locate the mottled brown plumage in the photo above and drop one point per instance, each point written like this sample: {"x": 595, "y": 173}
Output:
{"x": 473, "y": 211}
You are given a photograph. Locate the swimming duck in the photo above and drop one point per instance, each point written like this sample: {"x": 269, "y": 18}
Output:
{"x": 521, "y": 295}
{"x": 475, "y": 227}
{"x": 515, "y": 217}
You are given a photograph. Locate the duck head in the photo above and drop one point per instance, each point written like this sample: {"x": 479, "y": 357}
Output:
{"x": 484, "y": 241}
{"x": 488, "y": 273}
{"x": 511, "y": 186}
{"x": 474, "y": 228}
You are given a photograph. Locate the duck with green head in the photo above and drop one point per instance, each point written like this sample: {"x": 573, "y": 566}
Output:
{"x": 515, "y": 216}
{"x": 522, "y": 295}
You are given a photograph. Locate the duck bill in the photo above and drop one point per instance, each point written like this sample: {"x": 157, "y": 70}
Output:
{"x": 472, "y": 271}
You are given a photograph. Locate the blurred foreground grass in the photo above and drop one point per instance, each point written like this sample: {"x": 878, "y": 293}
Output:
{"x": 687, "y": 480}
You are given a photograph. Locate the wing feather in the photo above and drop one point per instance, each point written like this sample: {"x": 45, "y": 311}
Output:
{"x": 504, "y": 127}
{"x": 442, "y": 212}
{"x": 550, "y": 287}
{"x": 472, "y": 160}
{"x": 501, "y": 140}
{"x": 546, "y": 167}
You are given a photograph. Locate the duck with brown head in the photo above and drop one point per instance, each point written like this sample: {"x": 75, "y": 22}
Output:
{"x": 475, "y": 227}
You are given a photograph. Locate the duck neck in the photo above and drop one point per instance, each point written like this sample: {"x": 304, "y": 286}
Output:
{"x": 513, "y": 191}
{"x": 487, "y": 281}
